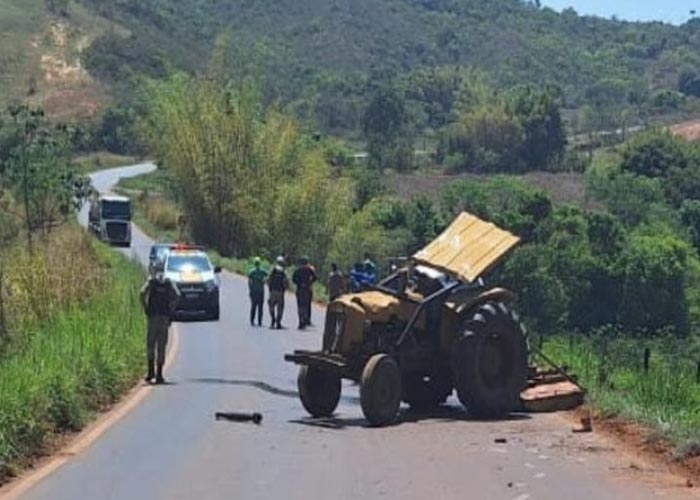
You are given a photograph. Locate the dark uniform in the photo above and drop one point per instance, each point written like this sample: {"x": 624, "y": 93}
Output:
{"x": 304, "y": 278}
{"x": 256, "y": 290}
{"x": 278, "y": 283}
{"x": 336, "y": 283}
{"x": 159, "y": 298}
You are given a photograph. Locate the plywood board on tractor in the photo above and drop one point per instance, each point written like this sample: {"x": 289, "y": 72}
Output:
{"x": 468, "y": 248}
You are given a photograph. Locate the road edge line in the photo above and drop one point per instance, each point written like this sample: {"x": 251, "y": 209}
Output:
{"x": 88, "y": 436}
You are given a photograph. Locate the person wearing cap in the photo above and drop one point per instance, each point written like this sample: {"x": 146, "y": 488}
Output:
{"x": 278, "y": 284}
{"x": 159, "y": 297}
{"x": 256, "y": 291}
{"x": 304, "y": 277}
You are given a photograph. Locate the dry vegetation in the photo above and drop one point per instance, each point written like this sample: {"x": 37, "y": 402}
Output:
{"x": 71, "y": 340}
{"x": 561, "y": 187}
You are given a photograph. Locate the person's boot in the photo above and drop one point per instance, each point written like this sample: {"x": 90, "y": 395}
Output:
{"x": 151, "y": 372}
{"x": 273, "y": 323}
{"x": 159, "y": 375}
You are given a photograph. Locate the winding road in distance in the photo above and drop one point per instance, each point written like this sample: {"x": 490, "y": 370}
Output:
{"x": 170, "y": 446}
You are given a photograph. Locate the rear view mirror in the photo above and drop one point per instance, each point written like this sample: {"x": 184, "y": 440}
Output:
{"x": 217, "y": 269}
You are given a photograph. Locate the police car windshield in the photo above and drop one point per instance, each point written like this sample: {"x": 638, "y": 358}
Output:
{"x": 184, "y": 263}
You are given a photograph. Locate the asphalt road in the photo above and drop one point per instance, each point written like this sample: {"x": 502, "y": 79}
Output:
{"x": 170, "y": 446}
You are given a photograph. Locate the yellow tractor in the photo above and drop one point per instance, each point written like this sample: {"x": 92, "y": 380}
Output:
{"x": 428, "y": 329}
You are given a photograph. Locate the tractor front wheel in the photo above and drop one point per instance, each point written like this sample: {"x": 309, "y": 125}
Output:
{"x": 380, "y": 390}
{"x": 319, "y": 391}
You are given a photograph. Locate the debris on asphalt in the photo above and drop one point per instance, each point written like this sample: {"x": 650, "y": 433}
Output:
{"x": 256, "y": 418}
{"x": 500, "y": 440}
{"x": 586, "y": 426}
{"x": 689, "y": 483}
{"x": 510, "y": 485}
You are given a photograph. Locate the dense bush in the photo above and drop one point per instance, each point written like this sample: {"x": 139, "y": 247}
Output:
{"x": 522, "y": 130}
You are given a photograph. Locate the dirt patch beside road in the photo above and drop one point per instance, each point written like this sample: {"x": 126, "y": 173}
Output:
{"x": 639, "y": 440}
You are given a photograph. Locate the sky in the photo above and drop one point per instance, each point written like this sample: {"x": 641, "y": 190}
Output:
{"x": 672, "y": 11}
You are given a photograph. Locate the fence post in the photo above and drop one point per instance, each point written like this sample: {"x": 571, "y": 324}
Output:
{"x": 647, "y": 355}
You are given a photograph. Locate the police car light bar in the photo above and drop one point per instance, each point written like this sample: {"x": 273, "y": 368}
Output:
{"x": 185, "y": 246}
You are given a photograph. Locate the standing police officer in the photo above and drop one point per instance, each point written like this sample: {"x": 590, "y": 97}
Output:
{"x": 159, "y": 298}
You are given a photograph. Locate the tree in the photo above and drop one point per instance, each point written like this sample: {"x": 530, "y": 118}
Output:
{"x": 116, "y": 132}
{"x": 57, "y": 7}
{"x": 689, "y": 82}
{"x": 653, "y": 292}
{"x": 654, "y": 153}
{"x": 250, "y": 181}
{"x": 541, "y": 295}
{"x": 384, "y": 128}
{"x": 690, "y": 216}
{"x": 486, "y": 139}
{"x": 40, "y": 173}
{"x": 423, "y": 221}
{"x": 544, "y": 140}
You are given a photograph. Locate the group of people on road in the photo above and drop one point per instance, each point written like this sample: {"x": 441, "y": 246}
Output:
{"x": 358, "y": 278}
{"x": 159, "y": 298}
{"x": 277, "y": 282}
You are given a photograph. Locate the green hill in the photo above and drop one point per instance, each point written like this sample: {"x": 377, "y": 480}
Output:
{"x": 320, "y": 55}
{"x": 321, "y": 51}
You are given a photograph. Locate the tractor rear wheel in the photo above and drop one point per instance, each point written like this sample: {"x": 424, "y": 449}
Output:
{"x": 489, "y": 361}
{"x": 380, "y": 390}
{"x": 427, "y": 392}
{"x": 319, "y": 391}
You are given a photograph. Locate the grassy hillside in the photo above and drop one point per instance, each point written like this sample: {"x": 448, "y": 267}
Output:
{"x": 20, "y": 20}
{"x": 41, "y": 46}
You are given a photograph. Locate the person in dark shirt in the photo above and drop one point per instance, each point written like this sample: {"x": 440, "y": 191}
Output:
{"x": 278, "y": 284}
{"x": 336, "y": 283}
{"x": 159, "y": 297}
{"x": 304, "y": 278}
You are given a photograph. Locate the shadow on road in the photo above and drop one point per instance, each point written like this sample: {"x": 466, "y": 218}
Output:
{"x": 440, "y": 414}
{"x": 263, "y": 386}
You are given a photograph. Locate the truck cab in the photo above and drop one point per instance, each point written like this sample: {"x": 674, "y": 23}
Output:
{"x": 110, "y": 219}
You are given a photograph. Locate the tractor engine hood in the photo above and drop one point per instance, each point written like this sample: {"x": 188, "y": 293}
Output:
{"x": 468, "y": 248}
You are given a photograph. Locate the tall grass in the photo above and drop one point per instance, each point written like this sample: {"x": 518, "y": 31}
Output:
{"x": 666, "y": 397}
{"x": 64, "y": 368}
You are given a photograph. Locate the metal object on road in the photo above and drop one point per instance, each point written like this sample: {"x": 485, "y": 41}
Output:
{"x": 256, "y": 418}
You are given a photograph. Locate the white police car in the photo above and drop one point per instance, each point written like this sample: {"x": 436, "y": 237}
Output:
{"x": 197, "y": 279}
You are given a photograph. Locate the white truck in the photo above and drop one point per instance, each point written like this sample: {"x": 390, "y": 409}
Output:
{"x": 110, "y": 219}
